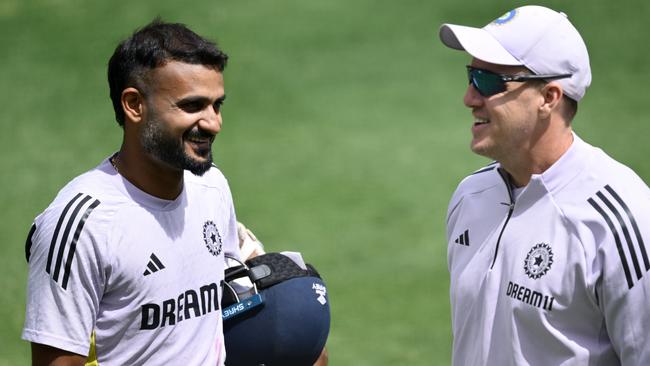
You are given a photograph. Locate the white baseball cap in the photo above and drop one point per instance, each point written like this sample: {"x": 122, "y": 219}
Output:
{"x": 541, "y": 39}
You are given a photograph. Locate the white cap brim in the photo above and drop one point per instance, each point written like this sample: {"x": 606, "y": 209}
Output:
{"x": 477, "y": 42}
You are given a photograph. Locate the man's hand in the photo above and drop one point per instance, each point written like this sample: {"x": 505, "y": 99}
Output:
{"x": 248, "y": 244}
{"x": 323, "y": 359}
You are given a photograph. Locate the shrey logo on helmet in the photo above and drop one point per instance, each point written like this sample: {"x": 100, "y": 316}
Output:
{"x": 212, "y": 238}
{"x": 321, "y": 291}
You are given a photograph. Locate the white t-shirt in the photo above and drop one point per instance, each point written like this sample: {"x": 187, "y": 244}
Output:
{"x": 557, "y": 276}
{"x": 143, "y": 273}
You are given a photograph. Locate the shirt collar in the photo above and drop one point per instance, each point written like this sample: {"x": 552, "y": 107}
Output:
{"x": 569, "y": 166}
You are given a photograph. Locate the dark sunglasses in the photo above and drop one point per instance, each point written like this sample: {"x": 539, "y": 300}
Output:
{"x": 489, "y": 83}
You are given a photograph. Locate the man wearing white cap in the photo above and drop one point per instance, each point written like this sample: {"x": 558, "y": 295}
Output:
{"x": 547, "y": 246}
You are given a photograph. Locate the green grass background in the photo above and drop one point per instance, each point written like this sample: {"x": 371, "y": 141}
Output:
{"x": 344, "y": 137}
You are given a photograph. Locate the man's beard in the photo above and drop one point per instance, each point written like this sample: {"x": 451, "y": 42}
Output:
{"x": 170, "y": 150}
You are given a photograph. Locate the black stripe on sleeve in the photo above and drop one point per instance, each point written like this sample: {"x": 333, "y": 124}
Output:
{"x": 626, "y": 234}
{"x": 619, "y": 246}
{"x": 64, "y": 239}
{"x": 28, "y": 242}
{"x": 73, "y": 244}
{"x": 635, "y": 227}
{"x": 56, "y": 232}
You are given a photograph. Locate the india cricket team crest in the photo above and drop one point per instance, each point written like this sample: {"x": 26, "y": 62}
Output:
{"x": 212, "y": 238}
{"x": 538, "y": 261}
{"x": 505, "y": 18}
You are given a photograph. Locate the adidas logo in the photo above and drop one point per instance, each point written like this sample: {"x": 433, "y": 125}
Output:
{"x": 463, "y": 239}
{"x": 154, "y": 265}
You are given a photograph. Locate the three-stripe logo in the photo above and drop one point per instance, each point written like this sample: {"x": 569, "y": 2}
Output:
{"x": 64, "y": 243}
{"x": 620, "y": 220}
{"x": 463, "y": 239}
{"x": 154, "y": 265}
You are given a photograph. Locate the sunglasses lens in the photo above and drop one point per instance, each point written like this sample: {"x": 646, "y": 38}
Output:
{"x": 487, "y": 83}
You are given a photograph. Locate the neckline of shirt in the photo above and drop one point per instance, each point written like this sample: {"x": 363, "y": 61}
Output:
{"x": 141, "y": 197}
{"x": 565, "y": 169}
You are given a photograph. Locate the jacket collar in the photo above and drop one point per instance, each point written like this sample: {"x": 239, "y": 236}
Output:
{"x": 567, "y": 168}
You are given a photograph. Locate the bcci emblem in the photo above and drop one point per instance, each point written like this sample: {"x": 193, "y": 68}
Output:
{"x": 538, "y": 261}
{"x": 212, "y": 238}
{"x": 505, "y": 18}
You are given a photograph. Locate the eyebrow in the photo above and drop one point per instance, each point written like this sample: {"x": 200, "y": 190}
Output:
{"x": 199, "y": 99}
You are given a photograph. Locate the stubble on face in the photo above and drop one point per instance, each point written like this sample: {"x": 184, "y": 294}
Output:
{"x": 164, "y": 147}
{"x": 182, "y": 116}
{"x": 505, "y": 141}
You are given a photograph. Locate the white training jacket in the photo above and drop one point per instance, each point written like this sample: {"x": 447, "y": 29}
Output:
{"x": 558, "y": 276}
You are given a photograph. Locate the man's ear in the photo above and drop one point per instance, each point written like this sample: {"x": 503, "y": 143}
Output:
{"x": 133, "y": 104}
{"x": 552, "y": 94}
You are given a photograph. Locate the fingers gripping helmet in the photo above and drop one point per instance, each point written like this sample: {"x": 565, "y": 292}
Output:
{"x": 282, "y": 320}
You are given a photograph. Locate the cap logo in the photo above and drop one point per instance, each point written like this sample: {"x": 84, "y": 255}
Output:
{"x": 505, "y": 18}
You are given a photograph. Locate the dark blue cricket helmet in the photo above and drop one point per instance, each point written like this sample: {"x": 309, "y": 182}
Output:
{"x": 284, "y": 323}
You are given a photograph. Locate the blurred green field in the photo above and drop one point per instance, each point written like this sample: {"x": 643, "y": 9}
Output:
{"x": 344, "y": 137}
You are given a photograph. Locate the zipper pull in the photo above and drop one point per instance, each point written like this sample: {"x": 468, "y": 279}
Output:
{"x": 511, "y": 206}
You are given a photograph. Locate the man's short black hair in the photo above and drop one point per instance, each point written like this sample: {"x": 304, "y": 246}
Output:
{"x": 153, "y": 46}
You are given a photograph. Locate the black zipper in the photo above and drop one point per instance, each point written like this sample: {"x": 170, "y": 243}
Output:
{"x": 511, "y": 208}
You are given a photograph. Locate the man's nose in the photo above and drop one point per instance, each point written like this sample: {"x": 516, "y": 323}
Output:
{"x": 472, "y": 98}
{"x": 211, "y": 120}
